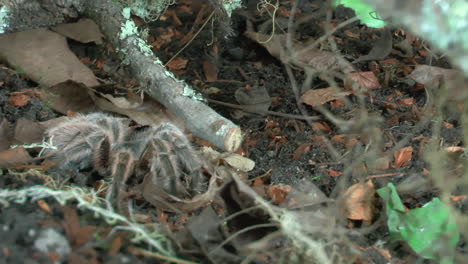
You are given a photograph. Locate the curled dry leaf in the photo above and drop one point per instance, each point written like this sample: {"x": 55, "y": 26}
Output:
{"x": 210, "y": 70}
{"x": 358, "y": 201}
{"x": 278, "y": 193}
{"x": 300, "y": 55}
{"x": 303, "y": 148}
{"x": 158, "y": 197}
{"x": 14, "y": 156}
{"x": 402, "y": 157}
{"x": 364, "y": 80}
{"x": 18, "y": 100}
{"x": 334, "y": 173}
{"x": 321, "y": 96}
{"x": 177, "y": 64}
{"x": 239, "y": 162}
{"x": 84, "y": 31}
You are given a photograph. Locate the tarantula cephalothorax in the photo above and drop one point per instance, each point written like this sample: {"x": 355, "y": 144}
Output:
{"x": 113, "y": 148}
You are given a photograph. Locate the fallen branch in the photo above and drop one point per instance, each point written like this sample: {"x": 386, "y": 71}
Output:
{"x": 151, "y": 74}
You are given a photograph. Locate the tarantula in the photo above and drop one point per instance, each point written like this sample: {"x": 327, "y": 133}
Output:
{"x": 111, "y": 147}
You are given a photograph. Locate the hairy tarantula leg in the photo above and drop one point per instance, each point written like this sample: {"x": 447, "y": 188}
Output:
{"x": 122, "y": 168}
{"x": 101, "y": 158}
{"x": 165, "y": 165}
{"x": 181, "y": 146}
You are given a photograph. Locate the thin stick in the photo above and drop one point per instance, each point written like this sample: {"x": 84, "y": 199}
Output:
{"x": 142, "y": 252}
{"x": 188, "y": 43}
{"x": 251, "y": 109}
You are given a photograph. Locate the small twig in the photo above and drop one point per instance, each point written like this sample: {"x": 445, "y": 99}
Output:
{"x": 252, "y": 109}
{"x": 385, "y": 175}
{"x": 188, "y": 43}
{"x": 227, "y": 240}
{"x": 328, "y": 34}
{"x": 142, "y": 252}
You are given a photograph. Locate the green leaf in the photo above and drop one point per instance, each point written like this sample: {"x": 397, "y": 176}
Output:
{"x": 365, "y": 13}
{"x": 430, "y": 231}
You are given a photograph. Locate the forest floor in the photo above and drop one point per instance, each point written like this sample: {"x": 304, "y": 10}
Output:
{"x": 394, "y": 116}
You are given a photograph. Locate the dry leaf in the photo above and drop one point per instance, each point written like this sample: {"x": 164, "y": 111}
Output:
{"x": 303, "y": 148}
{"x": 6, "y": 135}
{"x": 238, "y": 162}
{"x": 44, "y": 57}
{"x": 15, "y": 156}
{"x": 300, "y": 55}
{"x": 321, "y": 96}
{"x": 84, "y": 31}
{"x": 27, "y": 131}
{"x": 18, "y": 100}
{"x": 358, "y": 201}
{"x": 257, "y": 97}
{"x": 402, "y": 157}
{"x": 364, "y": 80}
{"x": 406, "y": 101}
{"x": 278, "y": 193}
{"x": 44, "y": 206}
{"x": 210, "y": 70}
{"x": 69, "y": 96}
{"x": 427, "y": 75}
{"x": 333, "y": 173}
{"x": 177, "y": 64}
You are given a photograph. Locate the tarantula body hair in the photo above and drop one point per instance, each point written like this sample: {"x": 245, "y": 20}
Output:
{"x": 161, "y": 153}
{"x": 76, "y": 139}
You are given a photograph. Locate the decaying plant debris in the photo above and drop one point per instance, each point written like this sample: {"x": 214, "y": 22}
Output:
{"x": 350, "y": 135}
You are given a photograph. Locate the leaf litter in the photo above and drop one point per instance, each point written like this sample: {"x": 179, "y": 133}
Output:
{"x": 255, "y": 232}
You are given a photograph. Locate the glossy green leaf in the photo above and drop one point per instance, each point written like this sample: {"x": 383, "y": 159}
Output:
{"x": 430, "y": 231}
{"x": 364, "y": 12}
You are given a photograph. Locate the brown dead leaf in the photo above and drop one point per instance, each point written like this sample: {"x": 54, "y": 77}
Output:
{"x": 18, "y": 100}
{"x": 84, "y": 31}
{"x": 177, "y": 64}
{"x": 321, "y": 126}
{"x": 303, "y": 148}
{"x": 69, "y": 96}
{"x": 14, "y": 156}
{"x": 278, "y": 193}
{"x": 364, "y": 80}
{"x": 256, "y": 97}
{"x": 77, "y": 235}
{"x": 382, "y": 163}
{"x": 402, "y": 157}
{"x": 351, "y": 34}
{"x": 358, "y": 201}
{"x": 27, "y": 131}
{"x": 44, "y": 206}
{"x": 349, "y": 140}
{"x": 116, "y": 245}
{"x": 300, "y": 55}
{"x": 334, "y": 173}
{"x": 145, "y": 112}
{"x": 6, "y": 135}
{"x": 44, "y": 57}
{"x": 321, "y": 96}
{"x": 210, "y": 69}
{"x": 427, "y": 75}
{"x": 406, "y": 101}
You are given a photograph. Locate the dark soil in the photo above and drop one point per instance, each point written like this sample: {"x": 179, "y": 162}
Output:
{"x": 270, "y": 141}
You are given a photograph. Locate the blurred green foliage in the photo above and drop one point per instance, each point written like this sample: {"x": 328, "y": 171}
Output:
{"x": 430, "y": 231}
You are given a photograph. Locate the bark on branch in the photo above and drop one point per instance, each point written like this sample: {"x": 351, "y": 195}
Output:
{"x": 199, "y": 118}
